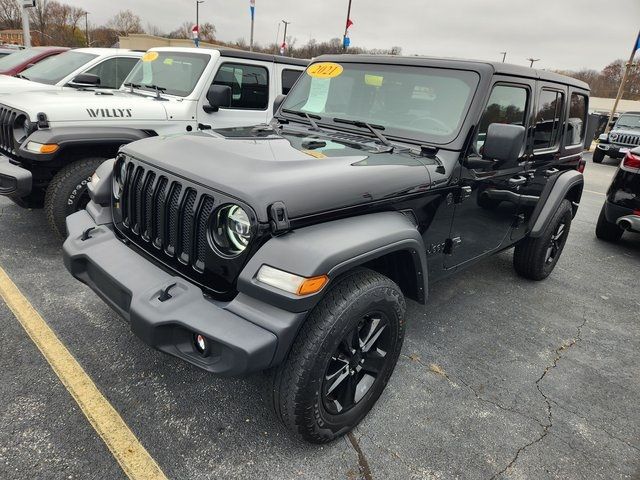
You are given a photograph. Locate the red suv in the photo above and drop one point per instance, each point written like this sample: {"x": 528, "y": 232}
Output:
{"x": 16, "y": 62}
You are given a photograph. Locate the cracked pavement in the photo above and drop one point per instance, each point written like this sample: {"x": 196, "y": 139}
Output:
{"x": 499, "y": 378}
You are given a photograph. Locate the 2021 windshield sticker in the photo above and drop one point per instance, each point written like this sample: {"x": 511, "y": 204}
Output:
{"x": 325, "y": 70}
{"x": 150, "y": 56}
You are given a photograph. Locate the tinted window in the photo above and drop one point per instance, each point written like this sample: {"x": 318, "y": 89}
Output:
{"x": 428, "y": 104}
{"x": 249, "y": 85}
{"x": 548, "y": 120}
{"x": 289, "y": 77}
{"x": 54, "y": 69}
{"x": 176, "y": 72}
{"x": 577, "y": 119}
{"x": 112, "y": 72}
{"x": 507, "y": 104}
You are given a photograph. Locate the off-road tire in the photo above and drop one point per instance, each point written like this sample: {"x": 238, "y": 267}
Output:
{"x": 606, "y": 230}
{"x": 66, "y": 192}
{"x": 296, "y": 385}
{"x": 530, "y": 257}
{"x": 598, "y": 156}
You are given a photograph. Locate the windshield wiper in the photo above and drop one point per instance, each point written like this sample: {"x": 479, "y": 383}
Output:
{"x": 19, "y": 75}
{"x": 373, "y": 128}
{"x": 308, "y": 116}
{"x": 131, "y": 85}
{"x": 158, "y": 90}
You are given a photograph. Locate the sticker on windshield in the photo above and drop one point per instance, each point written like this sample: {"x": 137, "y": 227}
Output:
{"x": 318, "y": 94}
{"x": 150, "y": 56}
{"x": 373, "y": 80}
{"x": 168, "y": 61}
{"x": 324, "y": 70}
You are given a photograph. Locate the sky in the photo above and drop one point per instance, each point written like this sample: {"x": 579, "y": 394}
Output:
{"x": 563, "y": 34}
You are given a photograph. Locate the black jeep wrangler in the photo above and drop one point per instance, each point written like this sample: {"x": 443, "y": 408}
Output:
{"x": 292, "y": 246}
{"x": 621, "y": 209}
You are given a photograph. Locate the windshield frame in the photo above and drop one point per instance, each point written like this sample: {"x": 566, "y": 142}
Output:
{"x": 129, "y": 79}
{"x": 475, "y": 78}
{"x": 89, "y": 58}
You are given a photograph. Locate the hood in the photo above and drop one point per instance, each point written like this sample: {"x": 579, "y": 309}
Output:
{"x": 10, "y": 85}
{"x": 625, "y": 131}
{"x": 70, "y": 105}
{"x": 261, "y": 169}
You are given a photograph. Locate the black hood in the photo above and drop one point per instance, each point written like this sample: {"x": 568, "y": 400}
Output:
{"x": 260, "y": 167}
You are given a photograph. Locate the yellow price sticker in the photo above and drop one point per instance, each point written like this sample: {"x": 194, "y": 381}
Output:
{"x": 373, "y": 80}
{"x": 168, "y": 61}
{"x": 324, "y": 70}
{"x": 150, "y": 56}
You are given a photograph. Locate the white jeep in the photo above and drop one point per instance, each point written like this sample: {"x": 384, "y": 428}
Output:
{"x": 83, "y": 67}
{"x": 51, "y": 142}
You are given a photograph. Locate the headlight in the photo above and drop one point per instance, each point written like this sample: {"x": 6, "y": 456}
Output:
{"x": 613, "y": 136}
{"x": 231, "y": 230}
{"x": 119, "y": 177}
{"x": 21, "y": 128}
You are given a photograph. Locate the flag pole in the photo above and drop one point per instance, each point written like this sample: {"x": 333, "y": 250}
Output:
{"x": 346, "y": 28}
{"x": 622, "y": 83}
{"x": 252, "y": 7}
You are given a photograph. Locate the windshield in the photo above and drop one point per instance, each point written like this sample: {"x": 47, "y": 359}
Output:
{"x": 175, "y": 72}
{"x": 12, "y": 60}
{"x": 628, "y": 121}
{"x": 54, "y": 69}
{"x": 422, "y": 103}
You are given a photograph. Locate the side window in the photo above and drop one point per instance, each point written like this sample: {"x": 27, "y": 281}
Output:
{"x": 249, "y": 85}
{"x": 289, "y": 77}
{"x": 548, "y": 120}
{"x": 577, "y": 119}
{"x": 113, "y": 71}
{"x": 507, "y": 104}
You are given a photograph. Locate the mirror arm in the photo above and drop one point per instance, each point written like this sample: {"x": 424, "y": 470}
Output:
{"x": 479, "y": 163}
{"x": 210, "y": 109}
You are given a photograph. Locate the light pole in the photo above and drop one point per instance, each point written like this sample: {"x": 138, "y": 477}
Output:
{"x": 504, "y": 56}
{"x": 26, "y": 34}
{"x": 346, "y": 28}
{"x": 198, "y": 2}
{"x": 284, "y": 41}
{"x": 86, "y": 27}
{"x": 532, "y": 60}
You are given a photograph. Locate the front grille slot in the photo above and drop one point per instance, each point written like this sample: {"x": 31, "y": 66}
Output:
{"x": 172, "y": 218}
{"x": 627, "y": 139}
{"x": 204, "y": 212}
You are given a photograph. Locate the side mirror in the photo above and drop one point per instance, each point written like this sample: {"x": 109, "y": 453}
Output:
{"x": 85, "y": 80}
{"x": 278, "y": 102}
{"x": 218, "y": 96}
{"x": 504, "y": 143}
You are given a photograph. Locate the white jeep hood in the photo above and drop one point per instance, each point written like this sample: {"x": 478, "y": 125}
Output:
{"x": 11, "y": 85}
{"x": 70, "y": 105}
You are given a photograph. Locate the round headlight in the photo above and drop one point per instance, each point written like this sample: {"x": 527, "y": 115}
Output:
{"x": 119, "y": 177}
{"x": 231, "y": 229}
{"x": 613, "y": 136}
{"x": 21, "y": 128}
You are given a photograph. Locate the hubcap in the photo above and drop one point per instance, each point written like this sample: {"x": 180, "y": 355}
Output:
{"x": 356, "y": 364}
{"x": 555, "y": 244}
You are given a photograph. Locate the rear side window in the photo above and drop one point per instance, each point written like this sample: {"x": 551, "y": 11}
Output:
{"x": 507, "y": 104}
{"x": 289, "y": 77}
{"x": 548, "y": 120}
{"x": 113, "y": 71}
{"x": 577, "y": 119}
{"x": 249, "y": 85}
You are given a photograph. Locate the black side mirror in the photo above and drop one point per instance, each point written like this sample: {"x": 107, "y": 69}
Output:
{"x": 85, "y": 80}
{"x": 218, "y": 96}
{"x": 504, "y": 143}
{"x": 278, "y": 102}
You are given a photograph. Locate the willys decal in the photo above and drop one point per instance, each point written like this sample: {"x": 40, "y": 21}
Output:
{"x": 109, "y": 112}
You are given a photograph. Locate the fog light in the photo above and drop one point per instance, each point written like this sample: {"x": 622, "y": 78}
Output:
{"x": 202, "y": 344}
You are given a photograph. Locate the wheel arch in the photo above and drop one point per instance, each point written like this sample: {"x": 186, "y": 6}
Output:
{"x": 386, "y": 242}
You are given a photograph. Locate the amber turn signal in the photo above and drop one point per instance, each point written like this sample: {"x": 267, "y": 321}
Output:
{"x": 312, "y": 285}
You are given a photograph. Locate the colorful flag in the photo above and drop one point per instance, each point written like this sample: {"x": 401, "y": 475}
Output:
{"x": 252, "y": 8}
{"x": 195, "y": 32}
{"x": 349, "y": 23}
{"x": 637, "y": 43}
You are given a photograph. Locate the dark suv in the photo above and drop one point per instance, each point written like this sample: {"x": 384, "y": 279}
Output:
{"x": 292, "y": 246}
{"x": 624, "y": 136}
{"x": 621, "y": 209}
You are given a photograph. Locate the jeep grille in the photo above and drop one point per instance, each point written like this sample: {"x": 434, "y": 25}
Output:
{"x": 169, "y": 217}
{"x": 7, "y": 119}
{"x": 628, "y": 139}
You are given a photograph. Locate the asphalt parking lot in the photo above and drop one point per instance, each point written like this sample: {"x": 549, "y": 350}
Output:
{"x": 500, "y": 377}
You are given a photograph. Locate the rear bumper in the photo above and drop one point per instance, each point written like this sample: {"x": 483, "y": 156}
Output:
{"x": 613, "y": 211}
{"x": 14, "y": 180}
{"x": 131, "y": 285}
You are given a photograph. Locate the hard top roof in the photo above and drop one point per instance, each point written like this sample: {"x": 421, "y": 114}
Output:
{"x": 480, "y": 65}
{"x": 236, "y": 53}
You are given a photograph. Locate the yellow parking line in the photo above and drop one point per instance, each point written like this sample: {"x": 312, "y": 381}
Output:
{"x": 125, "y": 447}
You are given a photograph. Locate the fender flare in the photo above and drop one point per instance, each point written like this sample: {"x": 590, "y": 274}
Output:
{"x": 86, "y": 136}
{"x": 332, "y": 248}
{"x": 556, "y": 190}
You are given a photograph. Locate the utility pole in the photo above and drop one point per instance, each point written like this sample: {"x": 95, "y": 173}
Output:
{"x": 277, "y": 37}
{"x": 86, "y": 27}
{"x": 252, "y": 7}
{"x": 198, "y": 2}
{"x": 504, "y": 56}
{"x": 346, "y": 28}
{"x": 533, "y": 60}
{"x": 284, "y": 42}
{"x": 26, "y": 34}
{"x": 628, "y": 66}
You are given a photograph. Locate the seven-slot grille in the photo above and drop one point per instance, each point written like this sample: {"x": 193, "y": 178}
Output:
{"x": 7, "y": 119}
{"x": 167, "y": 213}
{"x": 628, "y": 139}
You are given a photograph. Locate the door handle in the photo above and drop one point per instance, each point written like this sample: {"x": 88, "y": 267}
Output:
{"x": 517, "y": 181}
{"x": 551, "y": 171}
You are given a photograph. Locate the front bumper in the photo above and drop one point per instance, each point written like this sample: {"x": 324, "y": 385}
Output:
{"x": 14, "y": 180}
{"x": 613, "y": 150}
{"x": 132, "y": 285}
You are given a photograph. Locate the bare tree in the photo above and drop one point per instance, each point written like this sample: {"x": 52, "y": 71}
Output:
{"x": 10, "y": 15}
{"x": 125, "y": 22}
{"x": 154, "y": 30}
